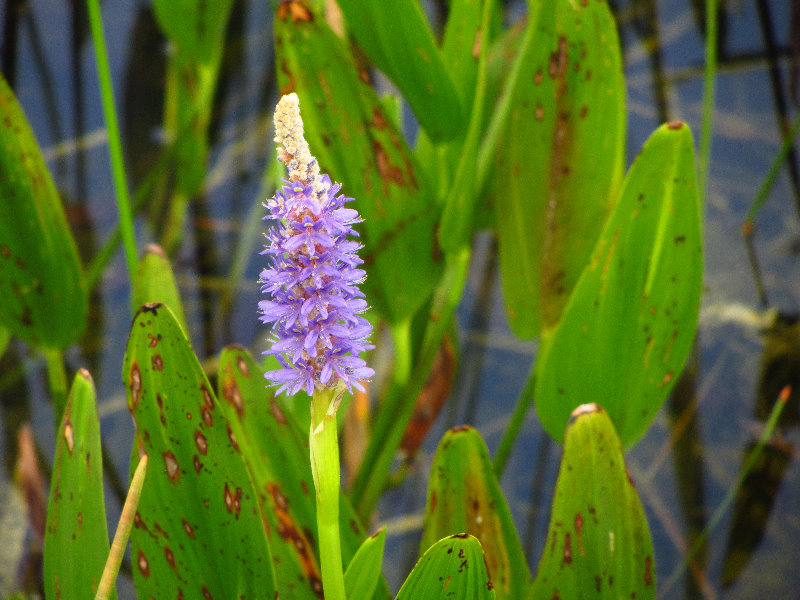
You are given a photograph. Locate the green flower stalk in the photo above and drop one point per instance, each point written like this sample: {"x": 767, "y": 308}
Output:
{"x": 314, "y": 308}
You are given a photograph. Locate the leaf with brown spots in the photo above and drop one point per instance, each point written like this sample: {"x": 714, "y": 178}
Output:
{"x": 43, "y": 298}
{"x": 453, "y": 567}
{"x": 630, "y": 324}
{"x": 464, "y": 496}
{"x": 76, "y": 523}
{"x": 198, "y": 531}
{"x": 559, "y": 160}
{"x": 598, "y": 543}
{"x": 359, "y": 145}
{"x": 277, "y": 455}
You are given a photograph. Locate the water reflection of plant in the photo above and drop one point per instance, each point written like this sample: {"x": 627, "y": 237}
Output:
{"x": 604, "y": 269}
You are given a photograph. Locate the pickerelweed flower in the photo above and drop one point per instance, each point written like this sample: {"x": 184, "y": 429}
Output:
{"x": 315, "y": 302}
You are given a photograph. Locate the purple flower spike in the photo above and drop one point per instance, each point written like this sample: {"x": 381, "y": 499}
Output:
{"x": 315, "y": 302}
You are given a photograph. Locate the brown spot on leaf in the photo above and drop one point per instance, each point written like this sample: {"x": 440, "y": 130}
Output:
{"x": 170, "y": 557}
{"x": 188, "y": 528}
{"x": 674, "y": 125}
{"x": 648, "y": 571}
{"x": 389, "y": 173}
{"x": 232, "y": 437}
{"x": 539, "y": 112}
{"x": 154, "y": 339}
{"x": 158, "y": 362}
{"x": 277, "y": 412}
{"x": 567, "y": 548}
{"x": 201, "y": 442}
{"x": 231, "y": 393}
{"x": 69, "y": 436}
{"x": 135, "y": 383}
{"x": 172, "y": 467}
{"x": 295, "y": 10}
{"x": 207, "y": 418}
{"x": 233, "y": 500}
{"x": 242, "y": 365}
{"x": 206, "y": 594}
{"x": 144, "y": 566}
{"x": 197, "y": 464}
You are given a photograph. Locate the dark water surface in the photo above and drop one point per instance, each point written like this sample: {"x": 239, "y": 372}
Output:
{"x": 749, "y": 340}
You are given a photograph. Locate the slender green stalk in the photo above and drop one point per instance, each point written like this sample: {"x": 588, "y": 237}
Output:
{"x": 114, "y": 143}
{"x": 324, "y": 444}
{"x": 57, "y": 379}
{"x": 766, "y": 434}
{"x": 511, "y": 432}
{"x": 106, "y": 585}
{"x": 709, "y": 86}
{"x": 772, "y": 175}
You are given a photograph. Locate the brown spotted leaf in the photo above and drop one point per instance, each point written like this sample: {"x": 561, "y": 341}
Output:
{"x": 598, "y": 544}
{"x": 464, "y": 496}
{"x": 76, "y": 523}
{"x": 626, "y": 333}
{"x": 559, "y": 160}
{"x": 43, "y": 297}
{"x": 453, "y": 567}
{"x": 276, "y": 452}
{"x": 198, "y": 532}
{"x": 357, "y": 143}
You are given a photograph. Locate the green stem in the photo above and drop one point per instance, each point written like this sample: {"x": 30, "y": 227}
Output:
{"x": 709, "y": 85}
{"x": 106, "y": 585}
{"x": 511, "y": 432}
{"x": 114, "y": 144}
{"x": 324, "y": 444}
{"x": 766, "y": 434}
{"x": 772, "y": 175}
{"x": 57, "y": 379}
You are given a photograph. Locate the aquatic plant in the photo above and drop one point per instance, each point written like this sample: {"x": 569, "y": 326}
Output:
{"x": 521, "y": 131}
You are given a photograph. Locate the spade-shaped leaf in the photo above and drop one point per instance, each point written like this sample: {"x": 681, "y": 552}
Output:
{"x": 198, "y": 532}
{"x": 43, "y": 297}
{"x": 559, "y": 160}
{"x": 598, "y": 544}
{"x": 453, "y": 567}
{"x": 76, "y": 537}
{"x": 358, "y": 145}
{"x": 630, "y": 323}
{"x": 464, "y": 496}
{"x": 396, "y": 36}
{"x": 277, "y": 454}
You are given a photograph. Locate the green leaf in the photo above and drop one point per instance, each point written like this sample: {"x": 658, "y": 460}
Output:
{"x": 76, "y": 537}
{"x": 155, "y": 282}
{"x": 396, "y": 37}
{"x": 197, "y": 28}
{"x": 198, "y": 532}
{"x": 559, "y": 159}
{"x": 354, "y": 140}
{"x": 277, "y": 455}
{"x": 43, "y": 297}
{"x": 628, "y": 328}
{"x": 598, "y": 544}
{"x": 453, "y": 567}
{"x": 363, "y": 573}
{"x": 197, "y": 31}
{"x": 464, "y": 496}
